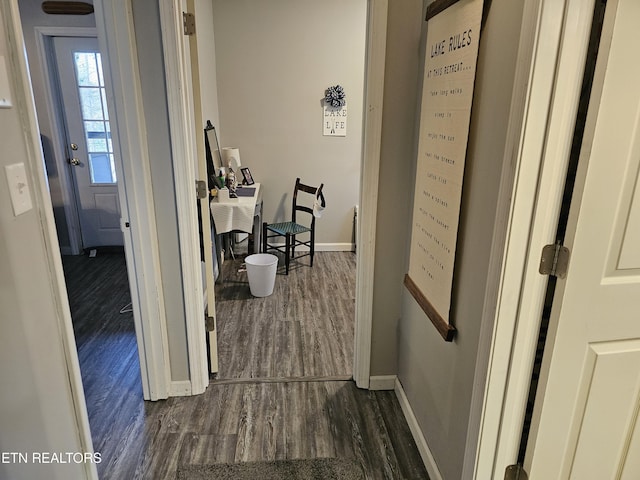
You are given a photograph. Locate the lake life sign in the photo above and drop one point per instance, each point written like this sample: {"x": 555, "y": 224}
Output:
{"x": 453, "y": 33}
{"x": 334, "y": 121}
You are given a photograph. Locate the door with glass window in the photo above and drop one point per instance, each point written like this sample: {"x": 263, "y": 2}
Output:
{"x": 88, "y": 140}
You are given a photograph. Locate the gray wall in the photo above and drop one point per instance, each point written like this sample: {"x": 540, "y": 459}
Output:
{"x": 395, "y": 194}
{"x": 36, "y": 409}
{"x": 274, "y": 61}
{"x": 437, "y": 376}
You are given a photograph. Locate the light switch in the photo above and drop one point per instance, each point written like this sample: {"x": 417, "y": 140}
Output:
{"x": 18, "y": 188}
{"x": 5, "y": 89}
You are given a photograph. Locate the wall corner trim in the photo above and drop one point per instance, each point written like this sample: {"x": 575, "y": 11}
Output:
{"x": 383, "y": 382}
{"x": 421, "y": 442}
{"x": 180, "y": 388}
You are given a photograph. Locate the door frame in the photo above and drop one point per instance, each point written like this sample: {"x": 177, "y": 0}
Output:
{"x": 44, "y": 36}
{"x": 181, "y": 115}
{"x": 376, "y": 48}
{"x": 177, "y": 70}
{"x": 559, "y": 47}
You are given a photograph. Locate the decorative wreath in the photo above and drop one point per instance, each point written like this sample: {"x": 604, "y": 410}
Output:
{"x": 335, "y": 96}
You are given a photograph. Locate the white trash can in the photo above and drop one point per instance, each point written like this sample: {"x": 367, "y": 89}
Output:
{"x": 261, "y": 269}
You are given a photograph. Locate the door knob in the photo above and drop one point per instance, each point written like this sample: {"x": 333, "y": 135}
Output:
{"x": 74, "y": 161}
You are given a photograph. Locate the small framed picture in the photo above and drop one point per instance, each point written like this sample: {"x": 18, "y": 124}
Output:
{"x": 246, "y": 174}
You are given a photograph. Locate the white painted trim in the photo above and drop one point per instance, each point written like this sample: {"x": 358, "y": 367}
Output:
{"x": 519, "y": 99}
{"x": 383, "y": 382}
{"x": 24, "y": 103}
{"x": 116, "y": 35}
{"x": 58, "y": 136}
{"x": 421, "y": 442}
{"x": 335, "y": 247}
{"x": 561, "y": 43}
{"x": 180, "y": 389}
{"x": 183, "y": 150}
{"x": 369, "y": 176}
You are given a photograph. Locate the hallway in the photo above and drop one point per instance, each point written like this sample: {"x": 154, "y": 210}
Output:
{"x": 278, "y": 411}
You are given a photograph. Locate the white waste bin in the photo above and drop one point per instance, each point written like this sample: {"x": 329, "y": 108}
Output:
{"x": 261, "y": 269}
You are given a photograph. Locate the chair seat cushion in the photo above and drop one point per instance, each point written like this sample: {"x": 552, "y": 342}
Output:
{"x": 288, "y": 227}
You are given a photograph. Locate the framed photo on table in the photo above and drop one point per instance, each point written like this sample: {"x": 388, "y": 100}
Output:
{"x": 246, "y": 175}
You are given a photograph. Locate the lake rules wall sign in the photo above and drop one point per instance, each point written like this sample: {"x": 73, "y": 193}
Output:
{"x": 453, "y": 34}
{"x": 335, "y": 121}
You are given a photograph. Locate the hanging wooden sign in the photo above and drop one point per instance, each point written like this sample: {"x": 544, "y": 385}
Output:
{"x": 453, "y": 34}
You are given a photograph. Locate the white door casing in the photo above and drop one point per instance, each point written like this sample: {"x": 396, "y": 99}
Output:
{"x": 184, "y": 153}
{"x": 587, "y": 410}
{"x": 200, "y": 82}
{"x": 88, "y": 140}
{"x": 559, "y": 47}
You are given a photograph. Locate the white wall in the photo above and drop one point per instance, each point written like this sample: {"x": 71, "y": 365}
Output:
{"x": 274, "y": 61}
{"x": 207, "y": 63}
{"x": 36, "y": 407}
{"x": 438, "y": 377}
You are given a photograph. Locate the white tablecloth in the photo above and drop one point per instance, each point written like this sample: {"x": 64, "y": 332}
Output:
{"x": 235, "y": 213}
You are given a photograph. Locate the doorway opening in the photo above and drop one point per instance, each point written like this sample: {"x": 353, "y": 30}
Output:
{"x": 79, "y": 148}
{"x": 311, "y": 330}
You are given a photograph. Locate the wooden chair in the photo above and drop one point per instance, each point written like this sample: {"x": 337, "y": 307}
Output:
{"x": 291, "y": 230}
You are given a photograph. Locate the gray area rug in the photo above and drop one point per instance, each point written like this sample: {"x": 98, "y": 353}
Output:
{"x": 304, "y": 469}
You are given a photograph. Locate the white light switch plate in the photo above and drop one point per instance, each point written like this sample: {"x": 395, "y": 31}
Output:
{"x": 18, "y": 188}
{"x": 5, "y": 90}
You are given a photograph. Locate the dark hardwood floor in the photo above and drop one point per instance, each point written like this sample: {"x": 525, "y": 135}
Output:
{"x": 241, "y": 416}
{"x": 305, "y": 329}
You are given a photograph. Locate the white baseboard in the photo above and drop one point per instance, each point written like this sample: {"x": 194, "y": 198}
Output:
{"x": 335, "y": 247}
{"x": 382, "y": 382}
{"x": 421, "y": 442}
{"x": 180, "y": 388}
{"x": 324, "y": 247}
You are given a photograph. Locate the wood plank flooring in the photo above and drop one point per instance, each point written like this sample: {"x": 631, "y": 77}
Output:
{"x": 305, "y": 329}
{"x": 238, "y": 418}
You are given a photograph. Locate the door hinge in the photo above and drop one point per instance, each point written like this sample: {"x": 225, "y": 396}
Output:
{"x": 554, "y": 260}
{"x": 210, "y": 323}
{"x": 189, "y": 23}
{"x": 515, "y": 472}
{"x": 201, "y": 189}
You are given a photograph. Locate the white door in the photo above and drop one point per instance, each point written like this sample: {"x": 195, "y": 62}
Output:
{"x": 587, "y": 411}
{"x": 88, "y": 136}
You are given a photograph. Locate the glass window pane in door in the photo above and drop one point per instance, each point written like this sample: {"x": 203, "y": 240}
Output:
{"x": 88, "y": 75}
{"x": 93, "y": 101}
{"x": 100, "y": 166}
